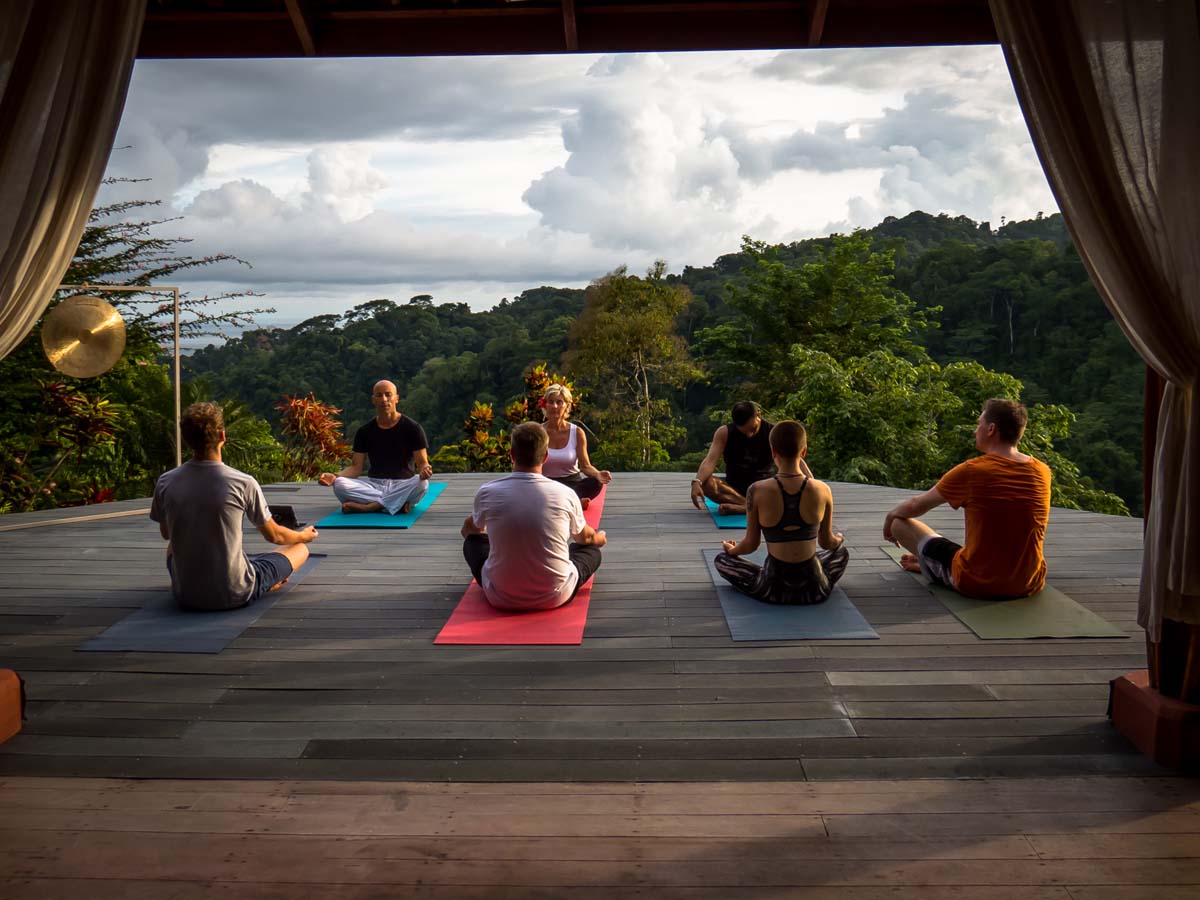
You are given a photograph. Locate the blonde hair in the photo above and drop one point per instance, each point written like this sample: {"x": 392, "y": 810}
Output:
{"x": 559, "y": 390}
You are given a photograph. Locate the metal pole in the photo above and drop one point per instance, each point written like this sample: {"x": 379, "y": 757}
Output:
{"x": 162, "y": 289}
{"x": 178, "y": 414}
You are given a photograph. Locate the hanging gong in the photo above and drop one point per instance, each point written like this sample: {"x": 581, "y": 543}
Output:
{"x": 83, "y": 336}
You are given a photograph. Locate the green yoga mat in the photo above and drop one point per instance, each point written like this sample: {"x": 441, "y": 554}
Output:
{"x": 1047, "y": 614}
{"x": 340, "y": 519}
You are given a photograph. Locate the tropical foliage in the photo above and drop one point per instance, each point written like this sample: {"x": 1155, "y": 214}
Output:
{"x": 626, "y": 349}
{"x": 885, "y": 342}
{"x": 313, "y": 438}
{"x": 483, "y": 450}
{"x": 67, "y": 441}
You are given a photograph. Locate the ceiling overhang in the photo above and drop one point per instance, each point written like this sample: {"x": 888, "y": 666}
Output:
{"x": 191, "y": 29}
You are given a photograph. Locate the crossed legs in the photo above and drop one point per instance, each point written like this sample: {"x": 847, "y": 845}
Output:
{"x": 391, "y": 495}
{"x": 909, "y": 534}
{"x": 729, "y": 501}
{"x": 584, "y": 557}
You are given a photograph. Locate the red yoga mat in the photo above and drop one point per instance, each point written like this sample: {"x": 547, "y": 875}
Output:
{"x": 475, "y": 621}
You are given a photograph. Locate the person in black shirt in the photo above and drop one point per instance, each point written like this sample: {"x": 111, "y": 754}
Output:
{"x": 745, "y": 444}
{"x": 398, "y": 453}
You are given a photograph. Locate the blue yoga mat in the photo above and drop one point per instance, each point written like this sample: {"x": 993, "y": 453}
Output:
{"x": 725, "y": 521}
{"x": 340, "y": 519}
{"x": 752, "y": 620}
{"x": 162, "y": 627}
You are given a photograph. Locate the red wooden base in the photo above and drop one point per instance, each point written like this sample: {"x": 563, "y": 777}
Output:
{"x": 1166, "y": 730}
{"x": 12, "y": 704}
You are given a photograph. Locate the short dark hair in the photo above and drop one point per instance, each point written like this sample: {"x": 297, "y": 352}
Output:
{"x": 529, "y": 443}
{"x": 788, "y": 438}
{"x": 1009, "y": 417}
{"x": 743, "y": 411}
{"x": 201, "y": 425}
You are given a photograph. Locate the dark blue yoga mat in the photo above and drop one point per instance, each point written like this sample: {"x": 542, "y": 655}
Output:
{"x": 725, "y": 521}
{"x": 340, "y": 519}
{"x": 752, "y": 620}
{"x": 162, "y": 627}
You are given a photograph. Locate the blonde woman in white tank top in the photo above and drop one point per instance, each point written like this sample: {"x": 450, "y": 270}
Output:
{"x": 567, "y": 460}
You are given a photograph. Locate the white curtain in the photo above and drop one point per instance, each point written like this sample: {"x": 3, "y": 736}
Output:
{"x": 64, "y": 72}
{"x": 1109, "y": 89}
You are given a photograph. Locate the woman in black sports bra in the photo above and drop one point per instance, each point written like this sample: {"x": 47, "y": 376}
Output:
{"x": 805, "y": 558}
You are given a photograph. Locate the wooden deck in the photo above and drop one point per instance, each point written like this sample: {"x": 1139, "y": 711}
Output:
{"x": 332, "y": 750}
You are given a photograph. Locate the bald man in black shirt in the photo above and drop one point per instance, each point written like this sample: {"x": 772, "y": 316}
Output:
{"x": 398, "y": 453}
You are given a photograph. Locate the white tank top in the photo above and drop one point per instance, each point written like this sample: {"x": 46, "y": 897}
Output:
{"x": 564, "y": 462}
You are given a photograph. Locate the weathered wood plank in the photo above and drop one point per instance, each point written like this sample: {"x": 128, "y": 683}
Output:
{"x": 348, "y": 656}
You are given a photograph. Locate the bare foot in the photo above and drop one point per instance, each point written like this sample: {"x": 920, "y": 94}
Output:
{"x": 406, "y": 508}
{"x": 350, "y": 506}
{"x": 731, "y": 509}
{"x": 278, "y": 586}
{"x": 909, "y": 563}
{"x": 585, "y": 502}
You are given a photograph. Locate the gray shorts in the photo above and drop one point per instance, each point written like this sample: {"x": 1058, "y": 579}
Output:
{"x": 269, "y": 569}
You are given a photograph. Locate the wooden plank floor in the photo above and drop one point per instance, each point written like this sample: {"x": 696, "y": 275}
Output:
{"x": 1088, "y": 838}
{"x": 333, "y": 751}
{"x": 341, "y": 679}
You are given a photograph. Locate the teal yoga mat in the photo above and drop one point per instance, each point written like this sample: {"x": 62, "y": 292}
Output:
{"x": 725, "y": 521}
{"x": 836, "y": 619}
{"x": 340, "y": 519}
{"x": 162, "y": 627}
{"x": 1047, "y": 614}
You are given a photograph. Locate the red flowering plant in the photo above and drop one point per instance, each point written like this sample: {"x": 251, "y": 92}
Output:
{"x": 313, "y": 441}
{"x": 93, "y": 493}
{"x": 517, "y": 411}
{"x": 537, "y": 379}
{"x": 483, "y": 451}
{"x": 67, "y": 440}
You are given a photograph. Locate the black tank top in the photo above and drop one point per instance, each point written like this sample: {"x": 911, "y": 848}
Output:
{"x": 747, "y": 459}
{"x": 785, "y": 531}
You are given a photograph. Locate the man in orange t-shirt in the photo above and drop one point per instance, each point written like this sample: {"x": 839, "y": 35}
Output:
{"x": 1006, "y": 497}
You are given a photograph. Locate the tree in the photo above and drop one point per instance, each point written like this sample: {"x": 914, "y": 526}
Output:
{"x": 624, "y": 347}
{"x": 881, "y": 419}
{"x": 116, "y": 249}
{"x": 67, "y": 441}
{"x": 844, "y": 305}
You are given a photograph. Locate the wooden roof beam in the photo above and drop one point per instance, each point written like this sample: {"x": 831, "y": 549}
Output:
{"x": 305, "y": 25}
{"x": 816, "y": 22}
{"x": 570, "y": 31}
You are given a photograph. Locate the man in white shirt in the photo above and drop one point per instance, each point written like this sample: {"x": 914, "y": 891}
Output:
{"x": 526, "y": 540}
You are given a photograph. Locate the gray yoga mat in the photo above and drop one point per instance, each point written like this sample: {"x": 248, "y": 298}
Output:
{"x": 1047, "y": 614}
{"x": 836, "y": 619}
{"x": 162, "y": 627}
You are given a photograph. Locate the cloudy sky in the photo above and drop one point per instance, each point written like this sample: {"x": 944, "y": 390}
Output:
{"x": 472, "y": 179}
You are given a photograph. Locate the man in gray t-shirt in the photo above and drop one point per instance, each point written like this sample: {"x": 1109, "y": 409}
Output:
{"x": 199, "y": 508}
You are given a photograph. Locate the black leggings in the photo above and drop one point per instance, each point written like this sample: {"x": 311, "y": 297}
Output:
{"x": 585, "y": 558}
{"x": 585, "y": 486}
{"x": 800, "y": 583}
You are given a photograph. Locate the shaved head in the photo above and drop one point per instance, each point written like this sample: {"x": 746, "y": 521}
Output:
{"x": 384, "y": 398}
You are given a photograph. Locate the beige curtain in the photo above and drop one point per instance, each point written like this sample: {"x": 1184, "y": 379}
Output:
{"x": 1109, "y": 89}
{"x": 64, "y": 71}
